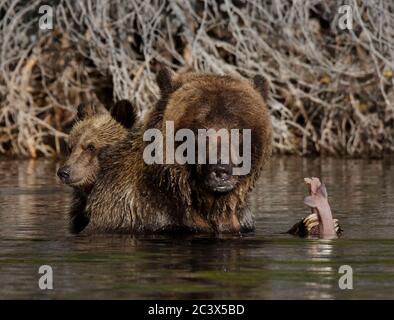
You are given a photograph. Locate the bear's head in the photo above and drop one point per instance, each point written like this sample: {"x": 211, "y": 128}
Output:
{"x": 95, "y": 129}
{"x": 222, "y": 104}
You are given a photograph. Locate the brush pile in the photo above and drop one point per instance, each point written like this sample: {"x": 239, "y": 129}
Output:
{"x": 332, "y": 90}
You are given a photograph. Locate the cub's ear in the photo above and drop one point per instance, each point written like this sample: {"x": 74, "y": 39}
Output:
{"x": 261, "y": 85}
{"x": 124, "y": 113}
{"x": 164, "y": 80}
{"x": 86, "y": 110}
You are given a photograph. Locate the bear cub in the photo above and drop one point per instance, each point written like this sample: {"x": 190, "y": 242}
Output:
{"x": 94, "y": 130}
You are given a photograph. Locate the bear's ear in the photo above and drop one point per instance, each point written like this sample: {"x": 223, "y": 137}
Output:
{"x": 124, "y": 113}
{"x": 164, "y": 81}
{"x": 86, "y": 110}
{"x": 261, "y": 85}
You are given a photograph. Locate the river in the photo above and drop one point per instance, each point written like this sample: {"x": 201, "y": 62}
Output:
{"x": 266, "y": 264}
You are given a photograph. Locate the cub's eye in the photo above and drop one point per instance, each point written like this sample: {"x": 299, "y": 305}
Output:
{"x": 90, "y": 147}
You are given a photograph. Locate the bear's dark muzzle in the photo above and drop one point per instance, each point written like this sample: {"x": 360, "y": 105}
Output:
{"x": 219, "y": 177}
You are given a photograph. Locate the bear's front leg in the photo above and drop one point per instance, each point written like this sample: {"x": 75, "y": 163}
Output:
{"x": 78, "y": 216}
{"x": 246, "y": 219}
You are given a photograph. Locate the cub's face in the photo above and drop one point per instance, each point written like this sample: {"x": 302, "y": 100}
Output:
{"x": 94, "y": 131}
{"x": 81, "y": 167}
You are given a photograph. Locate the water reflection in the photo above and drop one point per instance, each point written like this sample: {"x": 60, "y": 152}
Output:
{"x": 266, "y": 264}
{"x": 320, "y": 251}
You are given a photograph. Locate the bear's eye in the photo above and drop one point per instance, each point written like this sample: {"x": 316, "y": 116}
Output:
{"x": 90, "y": 147}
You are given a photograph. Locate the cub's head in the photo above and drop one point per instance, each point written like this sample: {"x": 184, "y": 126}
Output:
{"x": 213, "y": 102}
{"x": 94, "y": 130}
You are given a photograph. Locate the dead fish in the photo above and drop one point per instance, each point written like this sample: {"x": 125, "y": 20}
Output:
{"x": 320, "y": 222}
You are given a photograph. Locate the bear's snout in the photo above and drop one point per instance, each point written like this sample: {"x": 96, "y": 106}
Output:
{"x": 219, "y": 177}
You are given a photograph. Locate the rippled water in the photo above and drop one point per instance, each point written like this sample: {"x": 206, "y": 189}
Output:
{"x": 262, "y": 265}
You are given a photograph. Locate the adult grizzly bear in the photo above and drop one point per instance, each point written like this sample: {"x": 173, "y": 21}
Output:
{"x": 94, "y": 130}
{"x": 133, "y": 196}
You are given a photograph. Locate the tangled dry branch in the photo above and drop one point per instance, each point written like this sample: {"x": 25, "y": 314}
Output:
{"x": 331, "y": 89}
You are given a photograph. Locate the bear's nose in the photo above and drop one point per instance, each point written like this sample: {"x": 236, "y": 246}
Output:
{"x": 64, "y": 173}
{"x": 222, "y": 171}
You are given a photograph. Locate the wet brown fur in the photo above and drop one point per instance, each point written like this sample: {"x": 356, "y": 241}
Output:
{"x": 97, "y": 128}
{"x": 131, "y": 196}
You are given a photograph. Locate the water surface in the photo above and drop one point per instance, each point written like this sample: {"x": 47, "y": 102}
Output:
{"x": 263, "y": 265}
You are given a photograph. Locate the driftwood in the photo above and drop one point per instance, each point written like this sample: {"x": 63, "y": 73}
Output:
{"x": 331, "y": 89}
